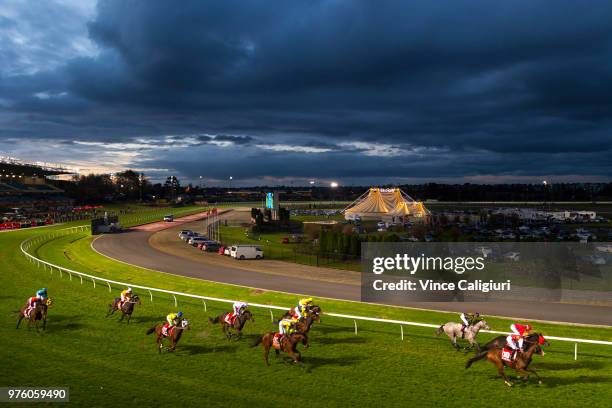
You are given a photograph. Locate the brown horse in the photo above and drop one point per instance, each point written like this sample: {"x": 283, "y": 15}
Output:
{"x": 520, "y": 363}
{"x": 238, "y": 324}
{"x": 175, "y": 334}
{"x": 288, "y": 344}
{"x": 39, "y": 313}
{"x": 126, "y": 309}
{"x": 304, "y": 325}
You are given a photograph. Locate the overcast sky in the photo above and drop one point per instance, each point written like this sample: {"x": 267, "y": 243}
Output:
{"x": 268, "y": 92}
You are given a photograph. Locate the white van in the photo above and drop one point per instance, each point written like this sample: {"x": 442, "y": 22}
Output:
{"x": 246, "y": 252}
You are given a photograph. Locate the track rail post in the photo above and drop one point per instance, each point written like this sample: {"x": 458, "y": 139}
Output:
{"x": 575, "y": 351}
{"x": 402, "y": 331}
{"x": 175, "y": 301}
{"x": 204, "y": 302}
{"x": 271, "y": 315}
{"x": 355, "y": 321}
{"x": 151, "y": 295}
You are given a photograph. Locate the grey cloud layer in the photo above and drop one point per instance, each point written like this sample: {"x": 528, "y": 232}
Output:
{"x": 452, "y": 89}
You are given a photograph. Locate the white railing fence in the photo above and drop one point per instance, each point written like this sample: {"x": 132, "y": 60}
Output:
{"x": 36, "y": 240}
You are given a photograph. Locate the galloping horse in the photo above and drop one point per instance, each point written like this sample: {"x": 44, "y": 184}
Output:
{"x": 288, "y": 344}
{"x": 126, "y": 309}
{"x": 39, "y": 313}
{"x": 237, "y": 325}
{"x": 500, "y": 342}
{"x": 174, "y": 334}
{"x": 303, "y": 326}
{"x": 520, "y": 363}
{"x": 453, "y": 330}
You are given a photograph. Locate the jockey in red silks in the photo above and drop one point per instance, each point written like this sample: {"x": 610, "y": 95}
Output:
{"x": 39, "y": 299}
{"x": 519, "y": 331}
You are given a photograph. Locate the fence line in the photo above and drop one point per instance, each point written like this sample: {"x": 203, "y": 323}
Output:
{"x": 27, "y": 244}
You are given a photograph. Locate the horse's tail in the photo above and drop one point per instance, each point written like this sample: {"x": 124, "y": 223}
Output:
{"x": 439, "y": 330}
{"x": 213, "y": 321}
{"x": 478, "y": 357}
{"x": 258, "y": 340}
{"x": 151, "y": 330}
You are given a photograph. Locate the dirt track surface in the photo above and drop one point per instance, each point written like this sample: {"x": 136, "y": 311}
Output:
{"x": 163, "y": 251}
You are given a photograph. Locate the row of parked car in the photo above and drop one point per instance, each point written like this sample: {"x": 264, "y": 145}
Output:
{"x": 235, "y": 251}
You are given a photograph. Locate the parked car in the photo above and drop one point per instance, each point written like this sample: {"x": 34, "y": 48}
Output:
{"x": 211, "y": 247}
{"x": 227, "y": 251}
{"x": 168, "y": 218}
{"x": 513, "y": 256}
{"x": 186, "y": 235}
{"x": 221, "y": 250}
{"x": 184, "y": 232}
{"x": 246, "y": 252}
{"x": 197, "y": 240}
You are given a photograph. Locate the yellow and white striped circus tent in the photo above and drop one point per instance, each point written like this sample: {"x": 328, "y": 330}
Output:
{"x": 386, "y": 204}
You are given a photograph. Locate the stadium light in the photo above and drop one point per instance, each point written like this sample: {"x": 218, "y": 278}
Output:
{"x": 333, "y": 184}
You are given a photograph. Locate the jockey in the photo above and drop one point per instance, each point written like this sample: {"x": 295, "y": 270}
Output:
{"x": 239, "y": 307}
{"x": 42, "y": 294}
{"x": 286, "y": 327}
{"x": 468, "y": 320}
{"x": 39, "y": 299}
{"x": 302, "y": 308}
{"x": 519, "y": 331}
{"x": 174, "y": 319}
{"x": 125, "y": 296}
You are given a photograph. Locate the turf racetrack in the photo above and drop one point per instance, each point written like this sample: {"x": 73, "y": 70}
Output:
{"x": 106, "y": 363}
{"x": 178, "y": 258}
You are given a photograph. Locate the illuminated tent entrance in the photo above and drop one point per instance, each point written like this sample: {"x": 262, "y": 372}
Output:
{"x": 388, "y": 204}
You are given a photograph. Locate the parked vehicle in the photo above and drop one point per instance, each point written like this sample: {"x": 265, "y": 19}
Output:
{"x": 246, "y": 252}
{"x": 169, "y": 218}
{"x": 187, "y": 235}
{"x": 197, "y": 240}
{"x": 211, "y": 247}
{"x": 227, "y": 251}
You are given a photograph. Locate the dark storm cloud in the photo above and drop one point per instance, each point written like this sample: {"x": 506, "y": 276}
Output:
{"x": 473, "y": 87}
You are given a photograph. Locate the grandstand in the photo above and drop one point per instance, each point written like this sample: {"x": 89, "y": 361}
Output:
{"x": 26, "y": 190}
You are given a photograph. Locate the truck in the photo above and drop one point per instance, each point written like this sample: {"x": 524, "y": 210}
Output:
{"x": 246, "y": 252}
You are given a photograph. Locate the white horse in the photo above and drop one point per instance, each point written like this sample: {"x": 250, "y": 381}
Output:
{"x": 453, "y": 330}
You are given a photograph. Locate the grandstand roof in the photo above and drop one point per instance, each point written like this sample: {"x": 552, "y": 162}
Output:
{"x": 30, "y": 169}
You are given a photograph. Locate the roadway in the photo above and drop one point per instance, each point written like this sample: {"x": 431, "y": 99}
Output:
{"x": 157, "y": 247}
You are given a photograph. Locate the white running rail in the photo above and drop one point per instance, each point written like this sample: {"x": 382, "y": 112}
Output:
{"x": 28, "y": 243}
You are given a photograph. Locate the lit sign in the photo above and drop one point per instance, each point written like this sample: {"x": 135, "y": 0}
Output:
{"x": 270, "y": 200}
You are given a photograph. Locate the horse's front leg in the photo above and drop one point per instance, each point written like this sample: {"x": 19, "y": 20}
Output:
{"x": 454, "y": 343}
{"x": 19, "y": 321}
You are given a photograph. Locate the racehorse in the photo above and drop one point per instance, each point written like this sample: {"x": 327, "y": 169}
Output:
{"x": 174, "y": 334}
{"x": 237, "y": 324}
{"x": 126, "y": 309}
{"x": 39, "y": 313}
{"x": 288, "y": 344}
{"x": 500, "y": 342}
{"x": 520, "y": 363}
{"x": 303, "y": 326}
{"x": 453, "y": 330}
